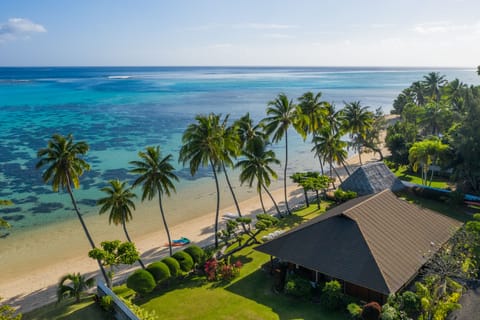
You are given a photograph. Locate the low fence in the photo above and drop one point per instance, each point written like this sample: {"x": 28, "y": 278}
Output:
{"x": 122, "y": 312}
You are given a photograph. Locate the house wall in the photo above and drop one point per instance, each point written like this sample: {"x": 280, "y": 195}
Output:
{"x": 364, "y": 293}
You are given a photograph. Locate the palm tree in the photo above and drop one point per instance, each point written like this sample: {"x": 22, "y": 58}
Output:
{"x": 62, "y": 156}
{"x": 156, "y": 178}
{"x": 433, "y": 83}
{"x": 230, "y": 150}
{"x": 282, "y": 113}
{"x": 312, "y": 112}
{"x": 119, "y": 202}
{"x": 256, "y": 165}
{"x": 247, "y": 131}
{"x": 73, "y": 285}
{"x": 418, "y": 91}
{"x": 333, "y": 123}
{"x": 203, "y": 145}
{"x": 357, "y": 120}
{"x": 331, "y": 148}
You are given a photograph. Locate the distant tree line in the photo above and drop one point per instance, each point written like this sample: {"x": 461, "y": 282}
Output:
{"x": 439, "y": 125}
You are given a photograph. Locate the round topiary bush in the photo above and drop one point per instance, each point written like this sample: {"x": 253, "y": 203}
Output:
{"x": 159, "y": 271}
{"x": 141, "y": 281}
{"x": 173, "y": 266}
{"x": 197, "y": 253}
{"x": 186, "y": 262}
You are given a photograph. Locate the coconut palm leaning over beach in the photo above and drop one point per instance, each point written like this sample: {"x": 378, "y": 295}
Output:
{"x": 65, "y": 165}
{"x": 156, "y": 178}
{"x": 230, "y": 150}
{"x": 119, "y": 202}
{"x": 203, "y": 145}
{"x": 281, "y": 114}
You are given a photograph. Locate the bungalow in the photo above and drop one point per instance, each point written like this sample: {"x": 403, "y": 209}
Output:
{"x": 372, "y": 178}
{"x": 375, "y": 244}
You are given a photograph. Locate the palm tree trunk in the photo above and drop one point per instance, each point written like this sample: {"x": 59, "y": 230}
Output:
{"x": 231, "y": 190}
{"x": 331, "y": 174}
{"x": 124, "y": 225}
{"x": 84, "y": 226}
{"x": 318, "y": 199}
{"x": 321, "y": 166}
{"x": 360, "y": 155}
{"x": 306, "y": 197}
{"x": 285, "y": 173}
{"x": 217, "y": 213}
{"x": 259, "y": 189}
{"x": 346, "y": 167}
{"x": 273, "y": 200}
{"x": 165, "y": 223}
{"x": 339, "y": 178}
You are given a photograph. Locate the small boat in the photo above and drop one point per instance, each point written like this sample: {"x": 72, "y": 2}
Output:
{"x": 178, "y": 242}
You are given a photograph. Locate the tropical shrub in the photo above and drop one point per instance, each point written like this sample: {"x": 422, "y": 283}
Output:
{"x": 159, "y": 271}
{"x": 185, "y": 260}
{"x": 106, "y": 303}
{"x": 173, "y": 266}
{"x": 221, "y": 270}
{"x": 410, "y": 303}
{"x": 140, "y": 312}
{"x": 389, "y": 313}
{"x": 332, "y": 296}
{"x": 8, "y": 312}
{"x": 141, "y": 281}
{"x": 342, "y": 196}
{"x": 371, "y": 311}
{"x": 197, "y": 253}
{"x": 298, "y": 286}
{"x": 355, "y": 310}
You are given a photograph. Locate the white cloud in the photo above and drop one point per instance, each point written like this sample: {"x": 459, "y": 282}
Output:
{"x": 19, "y": 28}
{"x": 439, "y": 27}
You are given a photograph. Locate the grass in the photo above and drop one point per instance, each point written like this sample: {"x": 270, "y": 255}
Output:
{"x": 86, "y": 309}
{"x": 249, "y": 296}
{"x": 403, "y": 173}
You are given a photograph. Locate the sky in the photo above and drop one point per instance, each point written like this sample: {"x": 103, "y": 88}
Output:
{"x": 443, "y": 33}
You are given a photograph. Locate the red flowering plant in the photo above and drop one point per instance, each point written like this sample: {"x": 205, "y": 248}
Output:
{"x": 222, "y": 270}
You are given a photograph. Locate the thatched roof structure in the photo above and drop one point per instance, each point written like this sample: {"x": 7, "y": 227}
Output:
{"x": 372, "y": 178}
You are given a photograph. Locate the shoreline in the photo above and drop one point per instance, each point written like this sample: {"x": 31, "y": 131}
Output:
{"x": 29, "y": 282}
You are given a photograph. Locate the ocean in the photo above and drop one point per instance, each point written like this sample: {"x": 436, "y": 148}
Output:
{"x": 120, "y": 110}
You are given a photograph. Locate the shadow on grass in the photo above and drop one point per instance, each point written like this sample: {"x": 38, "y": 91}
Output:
{"x": 86, "y": 309}
{"x": 190, "y": 281}
{"x": 258, "y": 286}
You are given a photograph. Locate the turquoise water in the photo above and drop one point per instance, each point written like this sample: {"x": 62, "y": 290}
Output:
{"x": 120, "y": 110}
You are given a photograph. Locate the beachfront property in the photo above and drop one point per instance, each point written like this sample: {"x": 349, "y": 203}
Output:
{"x": 374, "y": 245}
{"x": 372, "y": 178}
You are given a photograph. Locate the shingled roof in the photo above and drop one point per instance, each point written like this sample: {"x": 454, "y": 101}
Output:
{"x": 378, "y": 241}
{"x": 372, "y": 178}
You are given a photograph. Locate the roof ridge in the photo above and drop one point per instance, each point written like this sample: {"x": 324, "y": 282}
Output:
{"x": 363, "y": 202}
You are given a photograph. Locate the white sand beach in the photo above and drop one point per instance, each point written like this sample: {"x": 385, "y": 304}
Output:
{"x": 32, "y": 266}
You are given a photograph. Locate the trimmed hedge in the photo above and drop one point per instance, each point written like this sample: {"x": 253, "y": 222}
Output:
{"x": 185, "y": 260}
{"x": 197, "y": 253}
{"x": 173, "y": 266}
{"x": 159, "y": 271}
{"x": 141, "y": 281}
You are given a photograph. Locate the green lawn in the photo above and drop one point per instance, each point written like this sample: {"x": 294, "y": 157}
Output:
{"x": 86, "y": 309}
{"x": 248, "y": 297}
{"x": 403, "y": 173}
